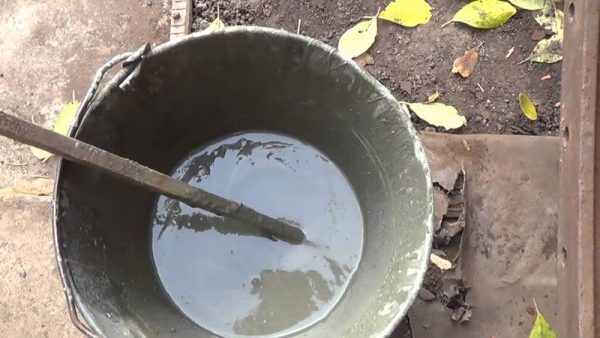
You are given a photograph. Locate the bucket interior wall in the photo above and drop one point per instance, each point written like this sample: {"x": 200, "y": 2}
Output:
{"x": 202, "y": 88}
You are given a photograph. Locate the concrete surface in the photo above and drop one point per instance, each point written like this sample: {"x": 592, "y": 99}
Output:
{"x": 48, "y": 49}
{"x": 508, "y": 256}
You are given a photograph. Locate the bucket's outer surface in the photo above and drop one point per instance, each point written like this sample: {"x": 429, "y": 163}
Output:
{"x": 187, "y": 93}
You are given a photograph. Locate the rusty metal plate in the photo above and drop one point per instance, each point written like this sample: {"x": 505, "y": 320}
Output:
{"x": 509, "y": 251}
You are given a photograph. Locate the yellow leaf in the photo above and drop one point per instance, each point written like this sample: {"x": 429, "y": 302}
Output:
{"x": 485, "y": 13}
{"x": 22, "y": 187}
{"x": 65, "y": 118}
{"x": 541, "y": 328}
{"x": 40, "y": 154}
{"x": 439, "y": 114}
{"x": 527, "y": 107}
{"x": 408, "y": 13}
{"x": 431, "y": 98}
{"x": 532, "y": 5}
{"x": 358, "y": 39}
{"x": 214, "y": 26}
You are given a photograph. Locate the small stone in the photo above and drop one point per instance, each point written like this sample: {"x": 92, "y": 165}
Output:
{"x": 406, "y": 86}
{"x": 426, "y": 295}
{"x": 530, "y": 310}
{"x": 538, "y": 35}
{"x": 439, "y": 252}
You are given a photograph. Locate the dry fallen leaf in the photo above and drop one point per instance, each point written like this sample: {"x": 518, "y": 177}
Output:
{"x": 63, "y": 123}
{"x": 364, "y": 59}
{"x": 408, "y": 13}
{"x": 541, "y": 328}
{"x": 549, "y": 50}
{"x": 439, "y": 114}
{"x": 485, "y": 13}
{"x": 34, "y": 187}
{"x": 358, "y": 39}
{"x": 465, "y": 64}
{"x": 431, "y": 98}
{"x": 440, "y": 207}
{"x": 527, "y": 107}
{"x": 547, "y": 18}
{"x": 214, "y": 26}
{"x": 546, "y": 77}
{"x": 440, "y": 262}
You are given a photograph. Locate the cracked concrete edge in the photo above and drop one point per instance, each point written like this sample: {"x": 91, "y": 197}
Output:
{"x": 181, "y": 19}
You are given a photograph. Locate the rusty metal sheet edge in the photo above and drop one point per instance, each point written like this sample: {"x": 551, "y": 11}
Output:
{"x": 578, "y": 268}
{"x": 181, "y": 19}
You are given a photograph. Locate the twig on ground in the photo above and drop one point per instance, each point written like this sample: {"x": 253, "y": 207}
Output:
{"x": 16, "y": 164}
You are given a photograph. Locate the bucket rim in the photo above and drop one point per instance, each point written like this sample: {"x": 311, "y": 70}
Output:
{"x": 121, "y": 79}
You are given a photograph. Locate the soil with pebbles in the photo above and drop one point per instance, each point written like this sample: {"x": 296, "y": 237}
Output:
{"x": 414, "y": 63}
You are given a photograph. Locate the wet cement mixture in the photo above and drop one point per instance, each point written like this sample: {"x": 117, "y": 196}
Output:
{"x": 251, "y": 285}
{"x": 416, "y": 62}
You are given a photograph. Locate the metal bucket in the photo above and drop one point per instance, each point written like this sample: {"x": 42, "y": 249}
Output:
{"x": 182, "y": 94}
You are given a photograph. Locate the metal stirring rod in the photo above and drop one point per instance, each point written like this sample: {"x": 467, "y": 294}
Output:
{"x": 133, "y": 172}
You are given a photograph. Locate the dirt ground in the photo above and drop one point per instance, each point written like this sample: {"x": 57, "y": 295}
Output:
{"x": 48, "y": 49}
{"x": 416, "y": 62}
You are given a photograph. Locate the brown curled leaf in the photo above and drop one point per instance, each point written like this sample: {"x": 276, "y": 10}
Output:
{"x": 465, "y": 64}
{"x": 364, "y": 59}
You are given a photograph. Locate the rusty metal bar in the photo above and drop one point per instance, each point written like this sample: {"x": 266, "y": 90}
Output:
{"x": 135, "y": 173}
{"x": 578, "y": 240}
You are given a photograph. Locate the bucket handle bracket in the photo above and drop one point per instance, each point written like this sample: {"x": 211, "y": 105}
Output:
{"x": 130, "y": 61}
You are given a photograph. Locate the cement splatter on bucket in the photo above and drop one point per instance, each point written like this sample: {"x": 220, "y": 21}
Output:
{"x": 283, "y": 124}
